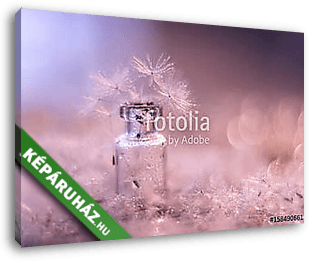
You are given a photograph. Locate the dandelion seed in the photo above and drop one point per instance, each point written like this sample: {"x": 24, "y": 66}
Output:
{"x": 175, "y": 95}
{"x": 115, "y": 88}
{"x": 93, "y": 106}
{"x": 101, "y": 111}
{"x": 92, "y": 103}
{"x": 156, "y": 71}
{"x": 134, "y": 96}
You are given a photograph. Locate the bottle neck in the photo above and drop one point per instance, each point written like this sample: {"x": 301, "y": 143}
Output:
{"x": 141, "y": 128}
{"x": 140, "y": 117}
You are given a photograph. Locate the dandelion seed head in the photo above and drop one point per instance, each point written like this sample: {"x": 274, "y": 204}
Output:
{"x": 147, "y": 81}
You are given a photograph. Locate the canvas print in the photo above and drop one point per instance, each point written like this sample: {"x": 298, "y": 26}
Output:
{"x": 171, "y": 128}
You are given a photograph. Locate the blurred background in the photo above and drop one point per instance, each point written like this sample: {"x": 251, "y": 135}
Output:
{"x": 250, "y": 83}
{"x": 225, "y": 66}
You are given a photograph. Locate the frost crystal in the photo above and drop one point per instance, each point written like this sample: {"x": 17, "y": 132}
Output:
{"x": 146, "y": 81}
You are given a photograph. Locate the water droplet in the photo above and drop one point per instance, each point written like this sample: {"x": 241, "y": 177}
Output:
{"x": 275, "y": 168}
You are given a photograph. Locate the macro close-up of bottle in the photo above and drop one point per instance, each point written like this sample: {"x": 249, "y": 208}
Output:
{"x": 140, "y": 154}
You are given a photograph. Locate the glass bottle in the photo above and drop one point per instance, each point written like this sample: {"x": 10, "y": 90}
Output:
{"x": 140, "y": 153}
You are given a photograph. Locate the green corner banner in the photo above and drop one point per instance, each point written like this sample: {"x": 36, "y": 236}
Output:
{"x": 49, "y": 173}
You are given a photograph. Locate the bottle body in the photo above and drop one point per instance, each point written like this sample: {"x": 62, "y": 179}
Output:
{"x": 140, "y": 155}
